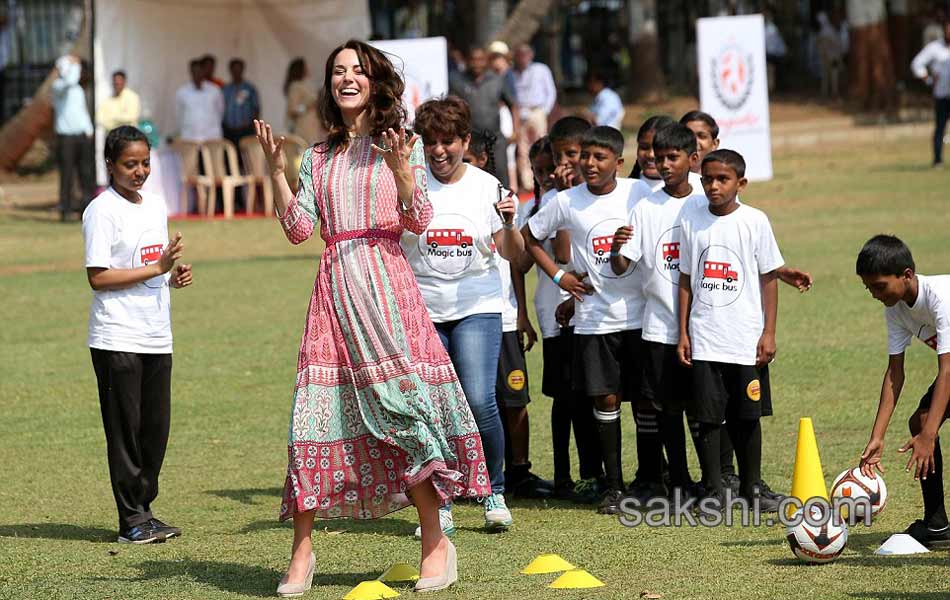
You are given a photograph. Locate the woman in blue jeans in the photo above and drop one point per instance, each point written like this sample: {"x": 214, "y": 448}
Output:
{"x": 454, "y": 263}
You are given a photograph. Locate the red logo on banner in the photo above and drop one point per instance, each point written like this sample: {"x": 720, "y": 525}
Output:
{"x": 732, "y": 76}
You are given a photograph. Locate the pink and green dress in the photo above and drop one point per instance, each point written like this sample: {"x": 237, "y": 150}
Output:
{"x": 378, "y": 407}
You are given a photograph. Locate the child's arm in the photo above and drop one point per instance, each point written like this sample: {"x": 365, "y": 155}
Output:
{"x": 108, "y": 279}
{"x": 569, "y": 281}
{"x": 890, "y": 393}
{"x": 798, "y": 279}
{"x": 765, "y": 351}
{"x": 525, "y": 329}
{"x": 922, "y": 444}
{"x": 683, "y": 349}
{"x": 562, "y": 246}
{"x": 618, "y": 262}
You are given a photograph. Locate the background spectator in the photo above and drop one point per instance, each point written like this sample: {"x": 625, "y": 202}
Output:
{"x": 200, "y": 107}
{"x": 607, "y": 106}
{"x": 74, "y": 131}
{"x": 209, "y": 63}
{"x": 302, "y": 118}
{"x": 536, "y": 94}
{"x": 122, "y": 108}
{"x": 241, "y": 104}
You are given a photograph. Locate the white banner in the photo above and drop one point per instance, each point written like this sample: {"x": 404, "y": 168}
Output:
{"x": 733, "y": 87}
{"x": 423, "y": 63}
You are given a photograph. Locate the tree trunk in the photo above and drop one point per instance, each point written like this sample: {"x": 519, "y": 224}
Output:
{"x": 523, "y": 22}
{"x": 36, "y": 118}
{"x": 644, "y": 50}
{"x": 871, "y": 68}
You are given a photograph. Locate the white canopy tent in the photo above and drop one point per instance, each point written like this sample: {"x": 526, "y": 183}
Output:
{"x": 153, "y": 41}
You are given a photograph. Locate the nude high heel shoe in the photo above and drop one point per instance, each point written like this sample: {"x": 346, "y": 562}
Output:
{"x": 292, "y": 590}
{"x": 449, "y": 576}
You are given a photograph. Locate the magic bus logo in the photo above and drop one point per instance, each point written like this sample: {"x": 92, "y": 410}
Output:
{"x": 599, "y": 239}
{"x": 668, "y": 255}
{"x": 448, "y": 245}
{"x": 732, "y": 76}
{"x": 721, "y": 276}
{"x": 148, "y": 251}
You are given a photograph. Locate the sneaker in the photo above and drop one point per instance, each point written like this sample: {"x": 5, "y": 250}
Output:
{"x": 588, "y": 491}
{"x": 497, "y": 515}
{"x": 529, "y": 485}
{"x": 564, "y": 489}
{"x": 767, "y": 492}
{"x": 932, "y": 538}
{"x": 767, "y": 503}
{"x": 610, "y": 503}
{"x": 731, "y": 481}
{"x": 645, "y": 491}
{"x": 141, "y": 534}
{"x": 710, "y": 501}
{"x": 445, "y": 521}
{"x": 167, "y": 530}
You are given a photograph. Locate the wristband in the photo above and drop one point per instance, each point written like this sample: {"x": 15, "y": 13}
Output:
{"x": 557, "y": 276}
{"x": 508, "y": 225}
{"x": 614, "y": 253}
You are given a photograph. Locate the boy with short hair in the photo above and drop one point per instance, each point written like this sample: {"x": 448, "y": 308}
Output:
{"x": 609, "y": 307}
{"x": 706, "y": 130}
{"x": 728, "y": 298}
{"x": 652, "y": 240}
{"x": 916, "y": 306}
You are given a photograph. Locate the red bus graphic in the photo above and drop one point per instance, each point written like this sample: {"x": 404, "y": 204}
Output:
{"x": 671, "y": 251}
{"x": 150, "y": 254}
{"x": 719, "y": 270}
{"x": 448, "y": 237}
{"x": 602, "y": 244}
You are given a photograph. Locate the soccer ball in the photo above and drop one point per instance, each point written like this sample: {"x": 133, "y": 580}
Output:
{"x": 820, "y": 544}
{"x": 853, "y": 484}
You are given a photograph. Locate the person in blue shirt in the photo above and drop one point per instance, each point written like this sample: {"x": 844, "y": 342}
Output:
{"x": 607, "y": 107}
{"x": 241, "y": 104}
{"x": 73, "y": 127}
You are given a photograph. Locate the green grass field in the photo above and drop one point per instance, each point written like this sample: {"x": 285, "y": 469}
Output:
{"x": 237, "y": 333}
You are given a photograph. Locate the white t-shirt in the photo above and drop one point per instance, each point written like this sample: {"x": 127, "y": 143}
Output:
{"x": 724, "y": 257}
{"x": 617, "y": 301}
{"x": 454, "y": 258}
{"x": 547, "y": 294}
{"x": 509, "y": 301}
{"x": 655, "y": 245}
{"x": 695, "y": 180}
{"x": 122, "y": 235}
{"x": 928, "y": 319}
{"x": 200, "y": 111}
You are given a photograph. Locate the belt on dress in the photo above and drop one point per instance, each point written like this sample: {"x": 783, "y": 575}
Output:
{"x": 373, "y": 235}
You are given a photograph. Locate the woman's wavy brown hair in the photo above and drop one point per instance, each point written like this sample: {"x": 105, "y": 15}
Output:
{"x": 447, "y": 117}
{"x": 384, "y": 109}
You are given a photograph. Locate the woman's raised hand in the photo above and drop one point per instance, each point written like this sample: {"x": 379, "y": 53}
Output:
{"x": 273, "y": 149}
{"x": 396, "y": 150}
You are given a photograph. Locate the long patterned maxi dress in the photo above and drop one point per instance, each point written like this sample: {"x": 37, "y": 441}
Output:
{"x": 378, "y": 407}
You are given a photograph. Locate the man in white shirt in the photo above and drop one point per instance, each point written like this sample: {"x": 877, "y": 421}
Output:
{"x": 537, "y": 94}
{"x": 200, "y": 107}
{"x": 74, "y": 130}
{"x": 932, "y": 64}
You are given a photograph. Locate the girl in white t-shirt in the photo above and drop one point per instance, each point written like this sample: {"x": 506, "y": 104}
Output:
{"x": 130, "y": 265}
{"x": 454, "y": 263}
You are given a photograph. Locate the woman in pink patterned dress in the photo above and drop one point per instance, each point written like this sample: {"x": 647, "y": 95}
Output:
{"x": 379, "y": 419}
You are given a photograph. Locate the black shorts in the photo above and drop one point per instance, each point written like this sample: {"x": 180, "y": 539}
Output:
{"x": 666, "y": 382}
{"x": 511, "y": 386}
{"x": 928, "y": 398}
{"x": 608, "y": 363}
{"x": 723, "y": 391}
{"x": 558, "y": 356}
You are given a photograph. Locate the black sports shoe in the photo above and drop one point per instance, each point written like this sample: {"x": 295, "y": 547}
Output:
{"x": 610, "y": 504}
{"x": 141, "y": 534}
{"x": 939, "y": 538}
{"x": 731, "y": 481}
{"x": 588, "y": 491}
{"x": 564, "y": 489}
{"x": 645, "y": 491}
{"x": 768, "y": 503}
{"x": 163, "y": 528}
{"x": 525, "y": 484}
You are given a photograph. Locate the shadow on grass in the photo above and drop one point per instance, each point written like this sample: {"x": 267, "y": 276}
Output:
{"x": 58, "y": 531}
{"x": 238, "y": 578}
{"x": 393, "y": 527}
{"x": 872, "y": 560}
{"x": 248, "y": 495}
{"x": 901, "y": 595}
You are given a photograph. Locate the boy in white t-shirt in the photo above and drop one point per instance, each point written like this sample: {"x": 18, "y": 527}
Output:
{"x": 728, "y": 300}
{"x": 609, "y": 307}
{"x": 652, "y": 240}
{"x": 917, "y": 306}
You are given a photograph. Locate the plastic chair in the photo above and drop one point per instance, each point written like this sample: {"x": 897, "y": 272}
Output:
{"x": 226, "y": 173}
{"x": 255, "y": 163}
{"x": 190, "y": 177}
{"x": 294, "y": 147}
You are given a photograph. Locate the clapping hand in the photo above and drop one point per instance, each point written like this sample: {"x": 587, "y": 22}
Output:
{"x": 273, "y": 149}
{"x": 181, "y": 276}
{"x": 396, "y": 150}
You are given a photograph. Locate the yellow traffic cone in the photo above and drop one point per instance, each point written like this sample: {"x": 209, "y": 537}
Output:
{"x": 399, "y": 573}
{"x": 576, "y": 579}
{"x": 808, "y": 480}
{"x": 371, "y": 590}
{"x": 547, "y": 563}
